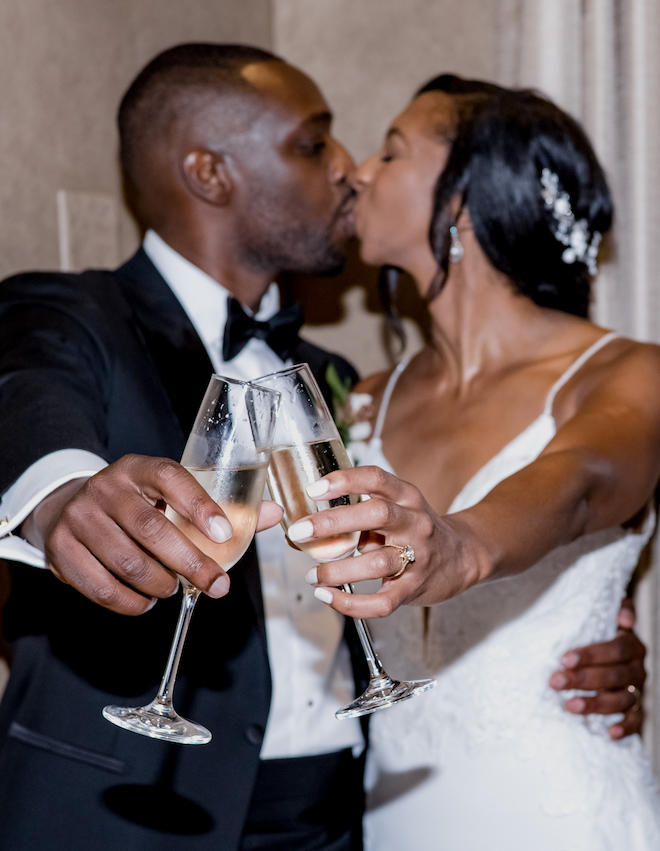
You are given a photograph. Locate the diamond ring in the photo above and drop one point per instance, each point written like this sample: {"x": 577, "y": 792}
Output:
{"x": 407, "y": 555}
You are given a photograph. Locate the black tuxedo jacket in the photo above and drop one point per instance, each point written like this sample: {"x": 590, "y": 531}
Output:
{"x": 109, "y": 362}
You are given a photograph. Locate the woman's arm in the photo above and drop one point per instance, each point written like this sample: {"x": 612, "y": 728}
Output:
{"x": 600, "y": 470}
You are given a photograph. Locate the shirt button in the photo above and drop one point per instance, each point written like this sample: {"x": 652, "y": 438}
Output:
{"x": 255, "y": 734}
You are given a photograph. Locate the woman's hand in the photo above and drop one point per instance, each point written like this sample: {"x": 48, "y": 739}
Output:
{"x": 448, "y": 557}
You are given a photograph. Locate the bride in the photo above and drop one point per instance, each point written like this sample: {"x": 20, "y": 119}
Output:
{"x": 531, "y": 433}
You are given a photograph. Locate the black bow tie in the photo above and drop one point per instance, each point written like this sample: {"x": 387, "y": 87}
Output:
{"x": 280, "y": 332}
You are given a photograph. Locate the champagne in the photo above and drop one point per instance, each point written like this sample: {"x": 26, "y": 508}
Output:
{"x": 291, "y": 469}
{"x": 238, "y": 492}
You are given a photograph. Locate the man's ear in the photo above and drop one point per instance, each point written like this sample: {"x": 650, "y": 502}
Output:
{"x": 206, "y": 175}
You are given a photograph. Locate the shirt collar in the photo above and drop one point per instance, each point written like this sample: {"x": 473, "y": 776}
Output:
{"x": 201, "y": 296}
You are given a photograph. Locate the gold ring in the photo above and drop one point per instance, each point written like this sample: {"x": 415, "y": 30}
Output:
{"x": 407, "y": 555}
{"x": 637, "y": 705}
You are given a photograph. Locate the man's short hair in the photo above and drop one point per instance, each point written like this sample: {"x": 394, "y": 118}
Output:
{"x": 165, "y": 88}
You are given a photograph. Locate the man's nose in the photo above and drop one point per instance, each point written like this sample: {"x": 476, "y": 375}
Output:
{"x": 342, "y": 165}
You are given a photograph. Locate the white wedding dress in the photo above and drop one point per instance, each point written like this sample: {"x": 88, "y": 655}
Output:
{"x": 489, "y": 760}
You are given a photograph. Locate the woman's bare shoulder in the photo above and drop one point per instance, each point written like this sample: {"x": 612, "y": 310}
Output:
{"x": 624, "y": 370}
{"x": 624, "y": 357}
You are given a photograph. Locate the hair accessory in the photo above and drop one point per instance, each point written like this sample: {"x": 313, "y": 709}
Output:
{"x": 456, "y": 247}
{"x": 570, "y": 233}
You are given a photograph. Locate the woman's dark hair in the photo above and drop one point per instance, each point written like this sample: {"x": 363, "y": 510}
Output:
{"x": 501, "y": 142}
{"x": 453, "y": 85}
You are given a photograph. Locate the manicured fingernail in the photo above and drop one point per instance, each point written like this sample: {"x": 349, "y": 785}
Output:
{"x": 153, "y": 602}
{"x": 219, "y": 587}
{"x": 312, "y": 576}
{"x": 576, "y": 705}
{"x": 558, "y": 681}
{"x": 616, "y": 732}
{"x": 301, "y": 531}
{"x": 570, "y": 659}
{"x": 318, "y": 488}
{"x": 625, "y": 619}
{"x": 220, "y": 529}
{"x": 323, "y": 595}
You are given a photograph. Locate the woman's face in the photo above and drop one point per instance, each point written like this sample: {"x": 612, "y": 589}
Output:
{"x": 395, "y": 187}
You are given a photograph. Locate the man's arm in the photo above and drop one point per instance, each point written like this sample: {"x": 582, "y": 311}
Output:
{"x": 34, "y": 485}
{"x": 614, "y": 670}
{"x": 105, "y": 535}
{"x": 108, "y": 537}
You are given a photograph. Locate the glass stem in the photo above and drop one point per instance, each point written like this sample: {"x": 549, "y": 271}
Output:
{"x": 164, "y": 696}
{"x": 376, "y": 670}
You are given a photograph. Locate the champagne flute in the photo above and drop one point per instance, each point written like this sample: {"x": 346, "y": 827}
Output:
{"x": 306, "y": 447}
{"x": 227, "y": 453}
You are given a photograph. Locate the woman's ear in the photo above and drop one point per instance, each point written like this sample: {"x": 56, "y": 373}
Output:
{"x": 206, "y": 175}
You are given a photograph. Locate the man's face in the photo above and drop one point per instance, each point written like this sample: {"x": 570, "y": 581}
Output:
{"x": 292, "y": 195}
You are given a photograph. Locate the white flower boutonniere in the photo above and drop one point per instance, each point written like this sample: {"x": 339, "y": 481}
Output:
{"x": 348, "y": 409}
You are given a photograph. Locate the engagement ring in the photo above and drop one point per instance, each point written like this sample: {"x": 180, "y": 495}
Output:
{"x": 407, "y": 555}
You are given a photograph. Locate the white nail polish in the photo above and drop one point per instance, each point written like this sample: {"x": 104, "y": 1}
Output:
{"x": 318, "y": 488}
{"x": 301, "y": 531}
{"x": 220, "y": 587}
{"x": 220, "y": 529}
{"x": 323, "y": 595}
{"x": 312, "y": 576}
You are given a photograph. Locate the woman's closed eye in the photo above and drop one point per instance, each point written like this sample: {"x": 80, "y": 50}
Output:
{"x": 387, "y": 153}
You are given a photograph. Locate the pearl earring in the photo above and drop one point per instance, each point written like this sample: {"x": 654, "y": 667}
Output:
{"x": 456, "y": 247}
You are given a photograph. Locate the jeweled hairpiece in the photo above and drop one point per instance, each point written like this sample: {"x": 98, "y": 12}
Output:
{"x": 573, "y": 234}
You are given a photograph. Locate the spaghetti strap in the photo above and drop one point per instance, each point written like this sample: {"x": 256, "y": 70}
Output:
{"x": 575, "y": 366}
{"x": 387, "y": 395}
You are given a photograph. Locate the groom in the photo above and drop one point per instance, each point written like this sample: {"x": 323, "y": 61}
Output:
{"x": 231, "y": 169}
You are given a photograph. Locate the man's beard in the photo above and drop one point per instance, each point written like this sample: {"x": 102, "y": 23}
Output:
{"x": 278, "y": 237}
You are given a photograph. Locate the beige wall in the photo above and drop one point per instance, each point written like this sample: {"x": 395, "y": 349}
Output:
{"x": 63, "y": 68}
{"x": 369, "y": 57}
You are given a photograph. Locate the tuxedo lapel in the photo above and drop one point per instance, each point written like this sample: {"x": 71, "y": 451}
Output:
{"x": 185, "y": 370}
{"x": 174, "y": 345}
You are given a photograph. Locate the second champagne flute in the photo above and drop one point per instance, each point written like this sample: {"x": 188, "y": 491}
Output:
{"x": 306, "y": 447}
{"x": 227, "y": 453}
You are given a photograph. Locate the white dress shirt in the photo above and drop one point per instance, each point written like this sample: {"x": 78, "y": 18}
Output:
{"x": 309, "y": 662}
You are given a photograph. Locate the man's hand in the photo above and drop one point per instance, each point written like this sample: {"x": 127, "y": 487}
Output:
{"x": 609, "y": 669}
{"x": 108, "y": 537}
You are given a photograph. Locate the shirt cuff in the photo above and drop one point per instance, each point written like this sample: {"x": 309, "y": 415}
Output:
{"x": 42, "y": 478}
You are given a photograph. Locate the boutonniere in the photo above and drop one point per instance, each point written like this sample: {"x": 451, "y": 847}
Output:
{"x": 341, "y": 413}
{"x": 346, "y": 406}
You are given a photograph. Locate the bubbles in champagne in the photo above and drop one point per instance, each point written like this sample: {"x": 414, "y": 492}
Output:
{"x": 291, "y": 469}
{"x": 239, "y": 493}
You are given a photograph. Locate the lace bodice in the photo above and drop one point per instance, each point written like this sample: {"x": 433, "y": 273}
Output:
{"x": 493, "y": 648}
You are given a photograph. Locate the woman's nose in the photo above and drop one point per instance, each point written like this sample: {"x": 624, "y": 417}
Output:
{"x": 363, "y": 173}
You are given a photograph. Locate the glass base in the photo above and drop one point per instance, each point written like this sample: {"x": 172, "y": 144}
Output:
{"x": 382, "y": 692}
{"x": 158, "y": 721}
